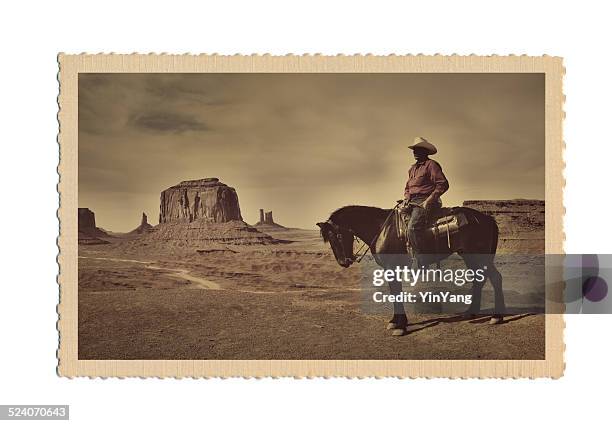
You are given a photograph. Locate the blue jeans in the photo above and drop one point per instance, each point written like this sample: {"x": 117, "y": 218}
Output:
{"x": 418, "y": 218}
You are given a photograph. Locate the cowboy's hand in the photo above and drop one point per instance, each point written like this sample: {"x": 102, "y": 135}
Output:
{"x": 427, "y": 203}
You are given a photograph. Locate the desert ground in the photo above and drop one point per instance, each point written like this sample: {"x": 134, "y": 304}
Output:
{"x": 283, "y": 301}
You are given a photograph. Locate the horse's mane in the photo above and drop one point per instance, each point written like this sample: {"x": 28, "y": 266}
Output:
{"x": 351, "y": 212}
{"x": 350, "y": 216}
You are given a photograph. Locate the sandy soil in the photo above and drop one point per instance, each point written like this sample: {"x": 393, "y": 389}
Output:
{"x": 289, "y": 301}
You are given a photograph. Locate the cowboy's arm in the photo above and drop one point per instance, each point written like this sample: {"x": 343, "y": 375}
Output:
{"x": 440, "y": 183}
{"x": 407, "y": 187}
{"x": 406, "y": 191}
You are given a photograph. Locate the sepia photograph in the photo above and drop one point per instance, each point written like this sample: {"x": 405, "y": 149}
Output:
{"x": 311, "y": 216}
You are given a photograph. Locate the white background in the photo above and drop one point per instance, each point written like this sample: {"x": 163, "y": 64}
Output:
{"x": 33, "y": 33}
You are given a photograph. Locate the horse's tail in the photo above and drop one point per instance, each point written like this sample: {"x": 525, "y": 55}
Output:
{"x": 494, "y": 235}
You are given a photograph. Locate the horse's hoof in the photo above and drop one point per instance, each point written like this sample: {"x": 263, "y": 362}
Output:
{"x": 394, "y": 326}
{"x": 496, "y": 320}
{"x": 399, "y": 332}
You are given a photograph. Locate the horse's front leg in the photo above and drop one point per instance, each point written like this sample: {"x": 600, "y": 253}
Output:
{"x": 399, "y": 322}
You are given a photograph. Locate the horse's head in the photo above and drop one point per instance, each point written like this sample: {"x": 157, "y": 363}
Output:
{"x": 341, "y": 241}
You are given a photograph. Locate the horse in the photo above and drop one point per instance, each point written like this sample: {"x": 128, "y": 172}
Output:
{"x": 476, "y": 243}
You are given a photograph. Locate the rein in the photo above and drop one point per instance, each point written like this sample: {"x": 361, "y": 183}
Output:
{"x": 358, "y": 257}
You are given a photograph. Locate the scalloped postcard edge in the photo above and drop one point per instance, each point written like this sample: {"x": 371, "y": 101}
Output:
{"x": 552, "y": 366}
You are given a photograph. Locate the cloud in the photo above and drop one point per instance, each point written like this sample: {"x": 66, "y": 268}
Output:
{"x": 167, "y": 122}
{"x": 185, "y": 89}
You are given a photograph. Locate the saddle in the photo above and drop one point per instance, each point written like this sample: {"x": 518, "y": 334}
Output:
{"x": 442, "y": 235}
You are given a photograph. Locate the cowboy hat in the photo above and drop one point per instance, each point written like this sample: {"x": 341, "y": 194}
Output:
{"x": 420, "y": 142}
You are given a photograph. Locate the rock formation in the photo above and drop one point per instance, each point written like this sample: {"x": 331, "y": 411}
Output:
{"x": 200, "y": 214}
{"x": 87, "y": 220}
{"x": 266, "y": 220}
{"x": 144, "y": 226}
{"x": 205, "y": 200}
{"x": 88, "y": 232}
{"x": 521, "y": 223}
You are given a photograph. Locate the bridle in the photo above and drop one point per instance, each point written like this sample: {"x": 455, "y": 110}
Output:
{"x": 338, "y": 232}
{"x": 357, "y": 257}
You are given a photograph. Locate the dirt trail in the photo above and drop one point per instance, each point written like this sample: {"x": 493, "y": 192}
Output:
{"x": 172, "y": 272}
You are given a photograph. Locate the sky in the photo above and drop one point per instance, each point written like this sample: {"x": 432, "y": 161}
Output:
{"x": 303, "y": 145}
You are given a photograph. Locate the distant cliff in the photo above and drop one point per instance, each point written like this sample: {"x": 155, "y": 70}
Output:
{"x": 266, "y": 221}
{"x": 88, "y": 232}
{"x": 206, "y": 200}
{"x": 198, "y": 214}
{"x": 521, "y": 223}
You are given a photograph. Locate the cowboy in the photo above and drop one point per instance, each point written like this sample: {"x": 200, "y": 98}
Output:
{"x": 426, "y": 183}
